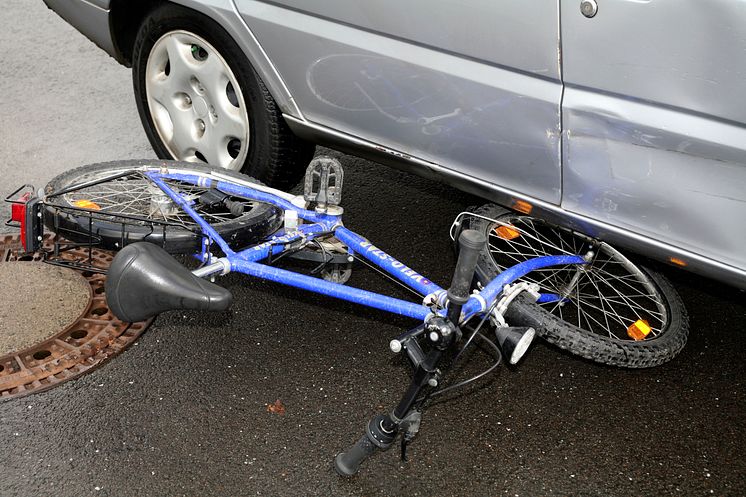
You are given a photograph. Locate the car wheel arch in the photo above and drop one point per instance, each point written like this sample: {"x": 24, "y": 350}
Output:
{"x": 125, "y": 18}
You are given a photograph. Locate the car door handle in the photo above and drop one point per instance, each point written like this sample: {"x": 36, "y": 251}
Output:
{"x": 589, "y": 8}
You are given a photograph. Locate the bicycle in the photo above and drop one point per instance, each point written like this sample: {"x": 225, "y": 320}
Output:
{"x": 231, "y": 223}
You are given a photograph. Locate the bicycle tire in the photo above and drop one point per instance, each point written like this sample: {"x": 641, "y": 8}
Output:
{"x": 257, "y": 222}
{"x": 582, "y": 339}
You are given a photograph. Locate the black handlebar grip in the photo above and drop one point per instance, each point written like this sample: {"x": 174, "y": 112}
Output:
{"x": 522, "y": 312}
{"x": 470, "y": 243}
{"x": 348, "y": 463}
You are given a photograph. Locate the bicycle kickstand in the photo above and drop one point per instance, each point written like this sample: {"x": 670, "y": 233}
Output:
{"x": 443, "y": 332}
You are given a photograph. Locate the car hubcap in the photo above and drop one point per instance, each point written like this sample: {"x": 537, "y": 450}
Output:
{"x": 195, "y": 101}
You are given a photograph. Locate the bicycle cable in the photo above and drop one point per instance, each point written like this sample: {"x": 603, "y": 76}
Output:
{"x": 476, "y": 330}
{"x": 475, "y": 333}
{"x": 327, "y": 257}
{"x": 487, "y": 371}
{"x": 272, "y": 260}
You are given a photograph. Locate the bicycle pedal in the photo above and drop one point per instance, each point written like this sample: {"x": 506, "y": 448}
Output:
{"x": 323, "y": 184}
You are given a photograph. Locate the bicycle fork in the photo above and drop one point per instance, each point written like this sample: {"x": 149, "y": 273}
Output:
{"x": 444, "y": 333}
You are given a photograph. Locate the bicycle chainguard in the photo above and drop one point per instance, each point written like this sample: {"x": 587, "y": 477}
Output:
{"x": 323, "y": 184}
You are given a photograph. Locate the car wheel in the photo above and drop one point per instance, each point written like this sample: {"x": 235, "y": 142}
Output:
{"x": 200, "y": 100}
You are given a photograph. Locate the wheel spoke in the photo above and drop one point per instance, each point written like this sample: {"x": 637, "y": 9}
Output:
{"x": 610, "y": 293}
{"x": 601, "y": 300}
{"x": 161, "y": 90}
{"x": 646, "y": 310}
{"x": 577, "y": 304}
{"x": 211, "y": 154}
{"x": 605, "y": 313}
{"x": 624, "y": 281}
{"x": 182, "y": 139}
{"x": 133, "y": 196}
{"x": 543, "y": 240}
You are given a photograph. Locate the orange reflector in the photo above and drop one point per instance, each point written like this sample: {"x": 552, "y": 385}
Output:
{"x": 522, "y": 206}
{"x": 87, "y": 204}
{"x": 638, "y": 330}
{"x": 677, "y": 261}
{"x": 507, "y": 232}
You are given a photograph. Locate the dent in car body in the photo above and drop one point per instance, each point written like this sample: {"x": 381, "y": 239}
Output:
{"x": 654, "y": 132}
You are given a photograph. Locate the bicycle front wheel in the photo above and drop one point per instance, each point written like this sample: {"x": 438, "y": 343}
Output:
{"x": 133, "y": 195}
{"x": 608, "y": 310}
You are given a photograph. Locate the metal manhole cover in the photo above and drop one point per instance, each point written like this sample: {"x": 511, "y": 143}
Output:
{"x": 79, "y": 347}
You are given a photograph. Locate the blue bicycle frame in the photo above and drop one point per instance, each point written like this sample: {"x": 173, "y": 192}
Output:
{"x": 248, "y": 261}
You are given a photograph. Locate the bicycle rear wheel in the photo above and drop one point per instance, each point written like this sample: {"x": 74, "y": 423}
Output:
{"x": 133, "y": 195}
{"x": 608, "y": 310}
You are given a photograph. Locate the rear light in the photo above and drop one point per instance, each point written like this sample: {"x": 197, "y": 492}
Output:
{"x": 25, "y": 213}
{"x": 18, "y": 215}
{"x": 18, "y": 211}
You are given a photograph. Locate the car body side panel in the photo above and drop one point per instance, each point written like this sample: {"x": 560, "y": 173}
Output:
{"x": 674, "y": 177}
{"x": 486, "y": 121}
{"x": 619, "y": 237}
{"x": 654, "y": 135}
{"x": 689, "y": 54}
{"x": 90, "y": 17}
{"x": 494, "y": 31}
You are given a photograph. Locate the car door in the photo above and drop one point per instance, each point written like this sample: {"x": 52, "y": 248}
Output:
{"x": 655, "y": 120}
{"x": 472, "y": 86}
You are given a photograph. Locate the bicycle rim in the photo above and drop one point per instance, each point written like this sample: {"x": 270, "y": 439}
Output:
{"x": 134, "y": 195}
{"x": 609, "y": 296}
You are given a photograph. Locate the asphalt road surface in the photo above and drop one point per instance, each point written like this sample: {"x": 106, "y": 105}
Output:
{"x": 184, "y": 411}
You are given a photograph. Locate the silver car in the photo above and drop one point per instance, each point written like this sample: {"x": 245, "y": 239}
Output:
{"x": 620, "y": 119}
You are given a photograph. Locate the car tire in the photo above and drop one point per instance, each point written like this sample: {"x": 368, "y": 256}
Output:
{"x": 208, "y": 104}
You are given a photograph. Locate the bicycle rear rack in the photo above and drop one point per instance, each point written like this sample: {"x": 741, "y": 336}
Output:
{"x": 36, "y": 216}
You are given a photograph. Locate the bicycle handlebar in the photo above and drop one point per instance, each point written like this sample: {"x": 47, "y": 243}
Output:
{"x": 348, "y": 463}
{"x": 379, "y": 434}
